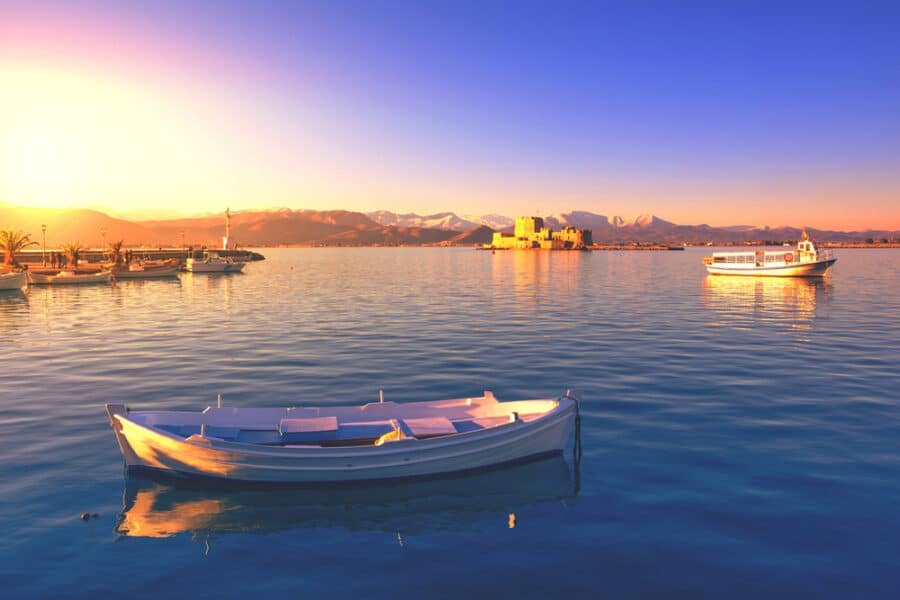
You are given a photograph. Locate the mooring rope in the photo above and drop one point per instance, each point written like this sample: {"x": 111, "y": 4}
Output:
{"x": 577, "y": 448}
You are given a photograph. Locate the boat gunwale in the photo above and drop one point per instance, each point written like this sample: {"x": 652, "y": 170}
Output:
{"x": 562, "y": 410}
{"x": 230, "y": 483}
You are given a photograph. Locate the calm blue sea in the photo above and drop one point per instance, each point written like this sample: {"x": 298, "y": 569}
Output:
{"x": 741, "y": 436}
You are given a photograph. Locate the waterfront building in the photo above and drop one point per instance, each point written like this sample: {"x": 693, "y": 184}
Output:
{"x": 527, "y": 227}
{"x": 531, "y": 232}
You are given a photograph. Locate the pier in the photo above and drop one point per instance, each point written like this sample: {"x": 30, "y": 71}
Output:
{"x": 99, "y": 255}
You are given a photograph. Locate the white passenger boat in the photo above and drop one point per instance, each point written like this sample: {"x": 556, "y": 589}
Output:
{"x": 13, "y": 281}
{"x": 69, "y": 278}
{"x": 806, "y": 261}
{"x": 213, "y": 263}
{"x": 381, "y": 440}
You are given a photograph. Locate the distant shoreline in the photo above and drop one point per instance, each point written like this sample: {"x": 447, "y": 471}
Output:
{"x": 626, "y": 246}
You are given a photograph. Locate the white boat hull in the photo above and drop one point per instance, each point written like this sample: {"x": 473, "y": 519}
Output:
{"x": 145, "y": 447}
{"x": 148, "y": 273}
{"x": 810, "y": 269}
{"x": 13, "y": 281}
{"x": 68, "y": 279}
{"x": 214, "y": 267}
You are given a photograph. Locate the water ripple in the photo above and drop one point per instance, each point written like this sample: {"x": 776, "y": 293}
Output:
{"x": 735, "y": 430}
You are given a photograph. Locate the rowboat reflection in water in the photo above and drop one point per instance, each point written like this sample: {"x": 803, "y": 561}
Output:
{"x": 160, "y": 507}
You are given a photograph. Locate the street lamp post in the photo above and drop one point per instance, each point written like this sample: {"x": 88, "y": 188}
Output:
{"x": 43, "y": 245}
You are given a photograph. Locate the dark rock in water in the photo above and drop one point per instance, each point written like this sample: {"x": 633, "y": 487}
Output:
{"x": 85, "y": 516}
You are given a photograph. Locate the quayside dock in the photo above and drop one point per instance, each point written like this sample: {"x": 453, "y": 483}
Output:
{"x": 97, "y": 255}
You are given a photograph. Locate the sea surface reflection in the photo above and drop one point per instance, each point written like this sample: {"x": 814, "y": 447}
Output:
{"x": 746, "y": 301}
{"x": 161, "y": 507}
{"x": 739, "y": 433}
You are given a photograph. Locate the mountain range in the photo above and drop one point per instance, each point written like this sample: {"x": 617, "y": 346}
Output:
{"x": 341, "y": 227}
{"x": 444, "y": 220}
{"x": 448, "y": 220}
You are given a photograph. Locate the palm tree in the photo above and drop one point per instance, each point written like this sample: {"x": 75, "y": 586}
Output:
{"x": 11, "y": 243}
{"x": 115, "y": 252}
{"x": 72, "y": 252}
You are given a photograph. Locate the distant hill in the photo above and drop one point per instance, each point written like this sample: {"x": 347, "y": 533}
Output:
{"x": 70, "y": 225}
{"x": 390, "y": 235}
{"x": 479, "y": 235}
{"x": 262, "y": 228}
{"x": 341, "y": 227}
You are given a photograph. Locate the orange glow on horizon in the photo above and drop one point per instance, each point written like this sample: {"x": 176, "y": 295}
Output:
{"x": 103, "y": 113}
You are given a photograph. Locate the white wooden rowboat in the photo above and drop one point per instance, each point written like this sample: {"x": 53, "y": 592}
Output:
{"x": 377, "y": 441}
{"x": 147, "y": 272}
{"x": 13, "y": 281}
{"x": 69, "y": 278}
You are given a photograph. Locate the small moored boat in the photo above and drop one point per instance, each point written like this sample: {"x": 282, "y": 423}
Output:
{"x": 148, "y": 270}
{"x": 806, "y": 261}
{"x": 69, "y": 278}
{"x": 13, "y": 281}
{"x": 376, "y": 441}
{"x": 213, "y": 263}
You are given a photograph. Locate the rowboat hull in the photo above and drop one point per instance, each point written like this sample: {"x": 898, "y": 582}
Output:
{"x": 148, "y": 273}
{"x": 810, "y": 269}
{"x": 145, "y": 447}
{"x": 13, "y": 281}
{"x": 68, "y": 279}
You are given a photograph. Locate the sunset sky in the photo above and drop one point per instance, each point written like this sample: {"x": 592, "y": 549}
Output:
{"x": 786, "y": 113}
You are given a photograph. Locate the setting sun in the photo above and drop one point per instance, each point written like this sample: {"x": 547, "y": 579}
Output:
{"x": 453, "y": 299}
{"x": 78, "y": 138}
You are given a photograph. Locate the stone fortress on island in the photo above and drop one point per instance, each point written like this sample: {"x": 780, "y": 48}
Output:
{"x": 530, "y": 232}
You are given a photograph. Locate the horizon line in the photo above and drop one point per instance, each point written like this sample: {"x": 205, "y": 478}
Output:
{"x": 149, "y": 215}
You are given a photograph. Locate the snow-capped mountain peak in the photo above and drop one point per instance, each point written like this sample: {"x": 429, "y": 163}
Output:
{"x": 444, "y": 220}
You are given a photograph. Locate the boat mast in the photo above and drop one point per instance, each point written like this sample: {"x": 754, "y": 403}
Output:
{"x": 227, "y": 229}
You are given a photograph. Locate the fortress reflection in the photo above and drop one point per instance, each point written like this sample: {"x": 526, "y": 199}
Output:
{"x": 525, "y": 275}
